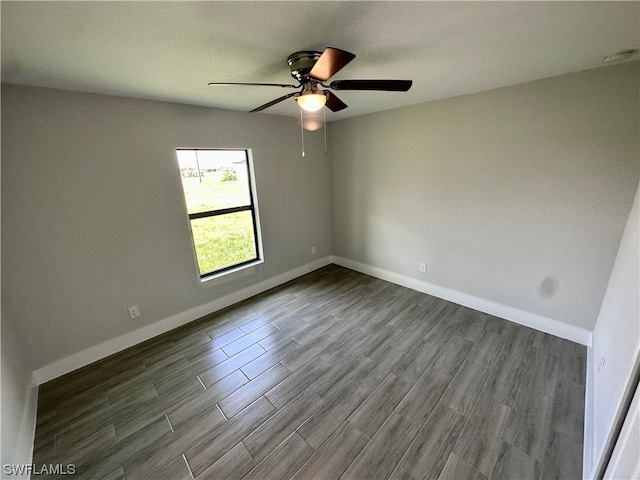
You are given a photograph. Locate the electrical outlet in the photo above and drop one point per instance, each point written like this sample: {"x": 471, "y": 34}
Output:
{"x": 423, "y": 267}
{"x": 134, "y": 312}
{"x": 313, "y": 250}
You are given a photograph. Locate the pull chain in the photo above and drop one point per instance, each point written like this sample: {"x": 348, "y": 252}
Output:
{"x": 324, "y": 127}
{"x": 302, "y": 131}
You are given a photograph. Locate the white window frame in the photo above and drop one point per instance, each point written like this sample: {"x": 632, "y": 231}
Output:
{"x": 253, "y": 208}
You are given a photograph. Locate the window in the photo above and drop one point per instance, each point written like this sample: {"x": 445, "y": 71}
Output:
{"x": 220, "y": 200}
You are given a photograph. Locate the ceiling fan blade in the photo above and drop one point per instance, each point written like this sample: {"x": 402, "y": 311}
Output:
{"x": 380, "y": 85}
{"x": 228, "y": 84}
{"x": 334, "y": 103}
{"x": 273, "y": 102}
{"x": 329, "y": 63}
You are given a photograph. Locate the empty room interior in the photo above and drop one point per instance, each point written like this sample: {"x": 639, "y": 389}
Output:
{"x": 325, "y": 240}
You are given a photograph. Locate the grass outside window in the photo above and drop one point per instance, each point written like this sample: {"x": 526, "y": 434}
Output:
{"x": 221, "y": 208}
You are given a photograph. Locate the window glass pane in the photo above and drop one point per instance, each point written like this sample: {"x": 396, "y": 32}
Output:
{"x": 214, "y": 179}
{"x": 223, "y": 240}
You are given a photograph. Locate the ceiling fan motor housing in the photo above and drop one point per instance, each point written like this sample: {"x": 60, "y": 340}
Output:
{"x": 301, "y": 64}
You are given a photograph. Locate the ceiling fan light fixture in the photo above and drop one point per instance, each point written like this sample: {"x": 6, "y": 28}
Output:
{"x": 311, "y": 100}
{"x": 311, "y": 121}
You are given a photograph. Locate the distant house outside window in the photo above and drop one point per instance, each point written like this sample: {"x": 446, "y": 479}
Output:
{"x": 220, "y": 199}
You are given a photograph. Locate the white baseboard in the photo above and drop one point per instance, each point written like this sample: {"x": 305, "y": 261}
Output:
{"x": 538, "y": 322}
{"x": 589, "y": 440}
{"x": 109, "y": 347}
{"x": 115, "y": 345}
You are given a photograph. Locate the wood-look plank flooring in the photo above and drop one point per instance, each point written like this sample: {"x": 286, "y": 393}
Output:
{"x": 335, "y": 375}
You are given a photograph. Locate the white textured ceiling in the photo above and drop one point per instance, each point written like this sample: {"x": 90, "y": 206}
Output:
{"x": 170, "y": 50}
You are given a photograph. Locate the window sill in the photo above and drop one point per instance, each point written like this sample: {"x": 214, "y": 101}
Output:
{"x": 229, "y": 275}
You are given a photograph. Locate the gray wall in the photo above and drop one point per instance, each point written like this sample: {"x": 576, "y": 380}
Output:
{"x": 93, "y": 216}
{"x": 616, "y": 336}
{"x": 518, "y": 195}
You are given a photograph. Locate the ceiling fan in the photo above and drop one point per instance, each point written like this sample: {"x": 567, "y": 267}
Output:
{"x": 311, "y": 69}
